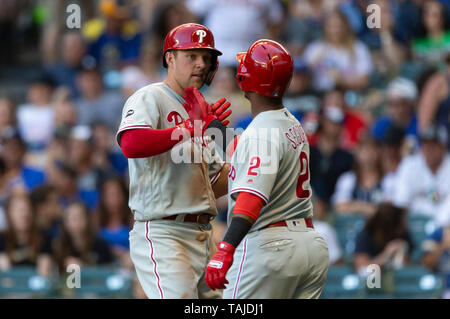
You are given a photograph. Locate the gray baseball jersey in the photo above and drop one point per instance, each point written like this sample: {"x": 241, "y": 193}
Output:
{"x": 169, "y": 183}
{"x": 271, "y": 161}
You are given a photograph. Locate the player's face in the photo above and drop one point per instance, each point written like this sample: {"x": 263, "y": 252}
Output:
{"x": 190, "y": 67}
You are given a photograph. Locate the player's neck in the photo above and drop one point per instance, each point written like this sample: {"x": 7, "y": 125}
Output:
{"x": 259, "y": 109}
{"x": 173, "y": 84}
{"x": 262, "y": 103}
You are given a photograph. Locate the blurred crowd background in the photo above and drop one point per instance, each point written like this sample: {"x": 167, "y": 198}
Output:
{"x": 374, "y": 102}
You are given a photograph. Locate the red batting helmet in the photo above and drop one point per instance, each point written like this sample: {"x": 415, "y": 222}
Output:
{"x": 192, "y": 36}
{"x": 266, "y": 68}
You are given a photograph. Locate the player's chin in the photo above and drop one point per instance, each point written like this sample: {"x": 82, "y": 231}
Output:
{"x": 197, "y": 81}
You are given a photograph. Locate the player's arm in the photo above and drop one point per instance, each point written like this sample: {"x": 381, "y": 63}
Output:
{"x": 146, "y": 142}
{"x": 245, "y": 213}
{"x": 433, "y": 93}
{"x": 220, "y": 187}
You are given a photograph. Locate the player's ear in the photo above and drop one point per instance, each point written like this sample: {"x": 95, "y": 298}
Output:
{"x": 170, "y": 58}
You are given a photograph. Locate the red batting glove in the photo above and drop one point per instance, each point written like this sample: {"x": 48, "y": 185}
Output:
{"x": 218, "y": 266}
{"x": 198, "y": 108}
{"x": 220, "y": 109}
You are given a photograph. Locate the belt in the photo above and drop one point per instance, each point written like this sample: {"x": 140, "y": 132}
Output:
{"x": 308, "y": 222}
{"x": 192, "y": 218}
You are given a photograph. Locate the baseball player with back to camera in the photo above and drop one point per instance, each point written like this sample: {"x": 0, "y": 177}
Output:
{"x": 270, "y": 236}
{"x": 172, "y": 202}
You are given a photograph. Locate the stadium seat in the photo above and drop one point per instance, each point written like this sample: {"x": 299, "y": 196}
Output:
{"x": 417, "y": 282}
{"x": 342, "y": 283}
{"x": 102, "y": 282}
{"x": 347, "y": 228}
{"x": 24, "y": 282}
{"x": 419, "y": 227}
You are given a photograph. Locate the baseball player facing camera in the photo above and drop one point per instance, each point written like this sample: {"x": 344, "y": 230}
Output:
{"x": 172, "y": 202}
{"x": 270, "y": 249}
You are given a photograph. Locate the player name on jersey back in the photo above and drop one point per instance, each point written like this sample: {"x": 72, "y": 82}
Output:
{"x": 271, "y": 161}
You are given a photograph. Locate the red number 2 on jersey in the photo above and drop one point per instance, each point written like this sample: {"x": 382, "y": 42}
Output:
{"x": 255, "y": 162}
{"x": 303, "y": 177}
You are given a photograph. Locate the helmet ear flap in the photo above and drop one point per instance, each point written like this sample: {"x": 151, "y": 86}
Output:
{"x": 212, "y": 72}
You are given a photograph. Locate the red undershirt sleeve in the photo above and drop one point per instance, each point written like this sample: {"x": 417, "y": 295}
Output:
{"x": 141, "y": 143}
{"x": 248, "y": 204}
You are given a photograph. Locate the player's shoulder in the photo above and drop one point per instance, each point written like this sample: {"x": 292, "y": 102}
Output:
{"x": 152, "y": 91}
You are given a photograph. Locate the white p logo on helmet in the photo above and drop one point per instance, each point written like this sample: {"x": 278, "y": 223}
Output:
{"x": 201, "y": 34}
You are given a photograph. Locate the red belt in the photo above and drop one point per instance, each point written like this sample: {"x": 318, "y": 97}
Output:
{"x": 308, "y": 222}
{"x": 192, "y": 218}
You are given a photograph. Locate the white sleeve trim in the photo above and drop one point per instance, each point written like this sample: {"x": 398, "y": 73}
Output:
{"x": 251, "y": 191}
{"x": 130, "y": 127}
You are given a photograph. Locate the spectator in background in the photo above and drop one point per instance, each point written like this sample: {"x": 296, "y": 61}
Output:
{"x": 64, "y": 179}
{"x": 386, "y": 44}
{"x": 392, "y": 152}
{"x": 114, "y": 218}
{"x": 4, "y": 192}
{"x": 327, "y": 159}
{"x": 65, "y": 110}
{"x": 423, "y": 179}
{"x": 434, "y": 104}
{"x": 436, "y": 255}
{"x": 359, "y": 191}
{"x": 107, "y": 155}
{"x": 339, "y": 60}
{"x": 64, "y": 73}
{"x": 96, "y": 104}
{"x": 251, "y": 20}
{"x": 300, "y": 97}
{"x": 35, "y": 118}
{"x": 354, "y": 126}
{"x": 81, "y": 159}
{"x": 147, "y": 70}
{"x": 23, "y": 243}
{"x": 434, "y": 39}
{"x": 7, "y": 114}
{"x": 77, "y": 242}
{"x": 304, "y": 23}
{"x": 384, "y": 240}
{"x": 115, "y": 38}
{"x": 48, "y": 210}
{"x": 168, "y": 15}
{"x": 401, "y": 98}
{"x": 18, "y": 174}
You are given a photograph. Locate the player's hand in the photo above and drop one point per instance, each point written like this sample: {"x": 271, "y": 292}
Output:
{"x": 218, "y": 266}
{"x": 189, "y": 127}
{"x": 197, "y": 107}
{"x": 220, "y": 109}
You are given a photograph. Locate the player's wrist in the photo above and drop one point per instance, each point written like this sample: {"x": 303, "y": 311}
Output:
{"x": 226, "y": 247}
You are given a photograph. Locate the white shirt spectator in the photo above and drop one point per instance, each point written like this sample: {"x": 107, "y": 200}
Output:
{"x": 35, "y": 124}
{"x": 236, "y": 24}
{"x": 329, "y": 235}
{"x": 418, "y": 189}
{"x": 388, "y": 184}
{"x": 443, "y": 214}
{"x": 345, "y": 191}
{"x": 323, "y": 58}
